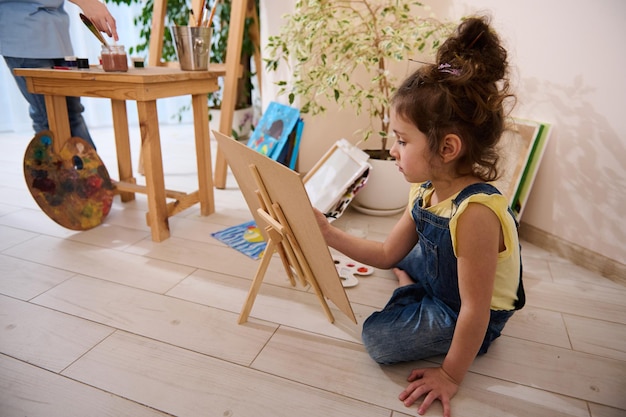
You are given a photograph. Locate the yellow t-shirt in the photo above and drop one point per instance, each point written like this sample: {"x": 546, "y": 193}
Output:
{"x": 508, "y": 267}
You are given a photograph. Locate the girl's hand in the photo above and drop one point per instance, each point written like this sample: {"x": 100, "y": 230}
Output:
{"x": 322, "y": 221}
{"x": 435, "y": 383}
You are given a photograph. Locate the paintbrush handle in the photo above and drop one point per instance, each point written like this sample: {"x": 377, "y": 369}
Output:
{"x": 213, "y": 9}
{"x": 201, "y": 17}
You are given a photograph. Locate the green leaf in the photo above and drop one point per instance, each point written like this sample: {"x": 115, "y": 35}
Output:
{"x": 328, "y": 42}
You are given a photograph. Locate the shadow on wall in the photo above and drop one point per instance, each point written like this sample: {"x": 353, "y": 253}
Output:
{"x": 582, "y": 193}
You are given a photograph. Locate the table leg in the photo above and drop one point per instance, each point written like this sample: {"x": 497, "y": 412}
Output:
{"x": 153, "y": 166}
{"x": 203, "y": 154}
{"x": 122, "y": 145}
{"x": 58, "y": 120}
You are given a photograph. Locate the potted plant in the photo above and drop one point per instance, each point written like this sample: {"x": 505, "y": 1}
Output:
{"x": 178, "y": 12}
{"x": 327, "y": 42}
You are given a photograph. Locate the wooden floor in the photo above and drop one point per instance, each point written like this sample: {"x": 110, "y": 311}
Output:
{"x": 107, "y": 322}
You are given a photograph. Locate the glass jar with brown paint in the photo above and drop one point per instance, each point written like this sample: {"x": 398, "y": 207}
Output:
{"x": 114, "y": 58}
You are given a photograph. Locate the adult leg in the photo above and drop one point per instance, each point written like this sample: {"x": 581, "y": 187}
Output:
{"x": 78, "y": 127}
{"x": 37, "y": 103}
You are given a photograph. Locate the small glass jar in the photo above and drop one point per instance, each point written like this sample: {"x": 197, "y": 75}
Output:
{"x": 114, "y": 58}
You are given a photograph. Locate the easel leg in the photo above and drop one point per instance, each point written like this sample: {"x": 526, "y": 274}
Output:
{"x": 284, "y": 257}
{"x": 258, "y": 279}
{"x": 229, "y": 91}
{"x": 308, "y": 274}
{"x": 323, "y": 302}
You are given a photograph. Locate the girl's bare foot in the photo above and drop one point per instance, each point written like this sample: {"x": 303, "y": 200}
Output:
{"x": 403, "y": 278}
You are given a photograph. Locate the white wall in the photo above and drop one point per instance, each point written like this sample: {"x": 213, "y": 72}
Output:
{"x": 568, "y": 65}
{"x": 570, "y": 74}
{"x": 568, "y": 69}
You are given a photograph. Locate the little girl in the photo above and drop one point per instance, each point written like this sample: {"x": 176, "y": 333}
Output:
{"x": 455, "y": 250}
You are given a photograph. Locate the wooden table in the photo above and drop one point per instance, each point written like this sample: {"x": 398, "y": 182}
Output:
{"x": 145, "y": 86}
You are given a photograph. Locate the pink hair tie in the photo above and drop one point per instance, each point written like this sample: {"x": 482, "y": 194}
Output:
{"x": 447, "y": 68}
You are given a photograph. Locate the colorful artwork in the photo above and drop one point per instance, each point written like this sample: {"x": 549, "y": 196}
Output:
{"x": 277, "y": 135}
{"x": 73, "y": 188}
{"x": 246, "y": 238}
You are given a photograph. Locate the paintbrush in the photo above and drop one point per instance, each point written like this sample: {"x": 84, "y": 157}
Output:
{"x": 210, "y": 19}
{"x": 201, "y": 13}
{"x": 93, "y": 29}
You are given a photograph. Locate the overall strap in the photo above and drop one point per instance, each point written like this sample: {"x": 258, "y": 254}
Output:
{"x": 480, "y": 188}
{"x": 477, "y": 188}
{"x": 420, "y": 195}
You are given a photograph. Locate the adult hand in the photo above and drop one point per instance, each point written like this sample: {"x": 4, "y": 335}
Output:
{"x": 435, "y": 383}
{"x": 98, "y": 13}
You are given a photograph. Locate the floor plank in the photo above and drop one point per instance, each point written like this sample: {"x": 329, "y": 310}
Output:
{"x": 26, "y": 390}
{"x": 582, "y": 298}
{"x": 116, "y": 266}
{"x": 598, "y": 337}
{"x": 25, "y": 280}
{"x": 539, "y": 325}
{"x": 188, "y": 384}
{"x": 276, "y": 304}
{"x": 45, "y": 338}
{"x": 189, "y": 325}
{"x": 580, "y": 375}
{"x": 12, "y": 237}
{"x": 346, "y": 368}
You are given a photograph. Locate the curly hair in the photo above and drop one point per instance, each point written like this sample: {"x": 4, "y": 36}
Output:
{"x": 463, "y": 93}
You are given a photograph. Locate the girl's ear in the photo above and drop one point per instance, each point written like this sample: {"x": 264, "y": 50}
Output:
{"x": 451, "y": 148}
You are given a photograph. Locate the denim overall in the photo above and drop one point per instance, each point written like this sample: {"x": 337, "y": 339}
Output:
{"x": 419, "y": 319}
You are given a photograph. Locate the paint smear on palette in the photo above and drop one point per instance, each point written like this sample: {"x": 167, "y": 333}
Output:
{"x": 73, "y": 188}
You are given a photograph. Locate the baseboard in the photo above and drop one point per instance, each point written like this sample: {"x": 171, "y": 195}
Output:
{"x": 578, "y": 255}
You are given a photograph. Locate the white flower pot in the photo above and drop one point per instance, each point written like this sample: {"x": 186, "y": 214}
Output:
{"x": 386, "y": 191}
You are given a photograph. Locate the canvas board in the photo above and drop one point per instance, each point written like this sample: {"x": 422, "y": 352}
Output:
{"x": 521, "y": 149}
{"x": 285, "y": 187}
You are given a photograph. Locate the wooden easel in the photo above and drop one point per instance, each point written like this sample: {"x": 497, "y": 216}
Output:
{"x": 232, "y": 68}
{"x": 280, "y": 238}
{"x": 278, "y": 201}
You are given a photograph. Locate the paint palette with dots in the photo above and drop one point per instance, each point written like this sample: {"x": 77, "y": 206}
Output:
{"x": 347, "y": 269}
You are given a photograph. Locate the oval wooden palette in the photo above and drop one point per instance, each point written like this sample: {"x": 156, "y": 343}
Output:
{"x": 73, "y": 188}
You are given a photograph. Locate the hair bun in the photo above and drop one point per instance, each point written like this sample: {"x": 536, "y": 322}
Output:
{"x": 475, "y": 51}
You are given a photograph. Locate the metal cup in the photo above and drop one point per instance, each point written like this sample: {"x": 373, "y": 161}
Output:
{"x": 192, "y": 44}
